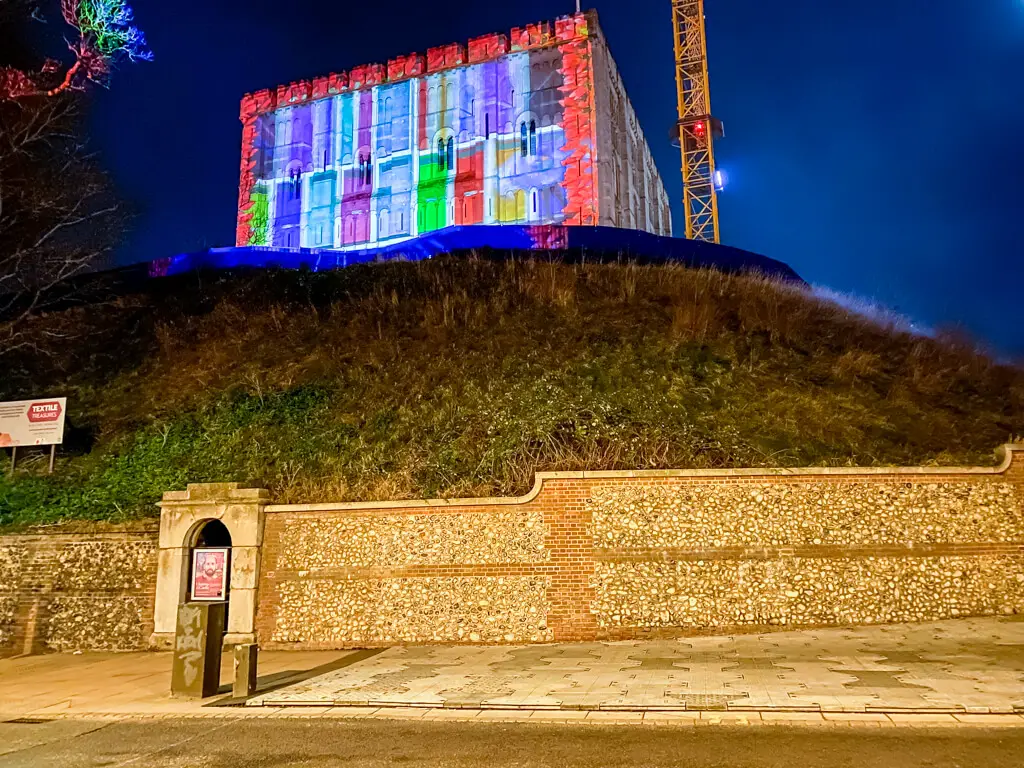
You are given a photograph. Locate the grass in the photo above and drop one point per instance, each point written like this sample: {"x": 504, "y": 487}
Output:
{"x": 465, "y": 377}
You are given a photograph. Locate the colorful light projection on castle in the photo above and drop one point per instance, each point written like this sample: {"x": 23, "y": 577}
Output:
{"x": 499, "y": 133}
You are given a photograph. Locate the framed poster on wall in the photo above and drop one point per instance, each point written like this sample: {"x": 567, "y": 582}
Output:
{"x": 210, "y": 574}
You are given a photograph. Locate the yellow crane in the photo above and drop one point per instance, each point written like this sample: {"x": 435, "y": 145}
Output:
{"x": 697, "y": 129}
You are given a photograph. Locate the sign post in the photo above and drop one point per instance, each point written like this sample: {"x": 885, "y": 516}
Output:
{"x": 199, "y": 638}
{"x": 32, "y": 423}
{"x": 197, "y": 650}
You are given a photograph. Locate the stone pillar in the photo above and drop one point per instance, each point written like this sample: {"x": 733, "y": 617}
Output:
{"x": 182, "y": 515}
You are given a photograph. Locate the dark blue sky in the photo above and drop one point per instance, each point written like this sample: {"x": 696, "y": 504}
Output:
{"x": 877, "y": 146}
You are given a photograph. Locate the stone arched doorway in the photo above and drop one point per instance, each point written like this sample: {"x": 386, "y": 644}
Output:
{"x": 211, "y": 515}
{"x": 211, "y": 533}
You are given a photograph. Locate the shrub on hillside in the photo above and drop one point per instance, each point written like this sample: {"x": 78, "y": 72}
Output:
{"x": 466, "y": 377}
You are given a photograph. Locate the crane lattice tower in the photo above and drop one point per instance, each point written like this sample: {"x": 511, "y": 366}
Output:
{"x": 697, "y": 129}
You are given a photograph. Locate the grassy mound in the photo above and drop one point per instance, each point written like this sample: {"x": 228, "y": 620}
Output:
{"x": 458, "y": 378}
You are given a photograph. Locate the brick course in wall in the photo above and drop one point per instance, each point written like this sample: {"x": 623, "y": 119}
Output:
{"x": 82, "y": 590}
{"x": 640, "y": 554}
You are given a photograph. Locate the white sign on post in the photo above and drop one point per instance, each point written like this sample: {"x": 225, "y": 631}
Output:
{"x": 32, "y": 422}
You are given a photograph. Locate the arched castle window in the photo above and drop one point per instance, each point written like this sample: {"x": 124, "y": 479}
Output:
{"x": 365, "y": 169}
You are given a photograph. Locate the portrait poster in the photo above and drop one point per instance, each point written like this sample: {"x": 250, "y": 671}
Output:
{"x": 209, "y": 574}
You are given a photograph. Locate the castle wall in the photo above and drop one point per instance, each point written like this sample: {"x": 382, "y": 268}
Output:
{"x": 631, "y": 193}
{"x": 505, "y": 130}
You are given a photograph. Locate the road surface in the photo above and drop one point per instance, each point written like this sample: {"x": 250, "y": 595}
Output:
{"x": 286, "y": 743}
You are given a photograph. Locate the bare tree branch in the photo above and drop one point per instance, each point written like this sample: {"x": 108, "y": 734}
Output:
{"x": 58, "y": 217}
{"x": 105, "y": 34}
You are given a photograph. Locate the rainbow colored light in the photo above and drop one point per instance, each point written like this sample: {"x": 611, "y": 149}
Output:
{"x": 107, "y": 26}
{"x": 504, "y": 130}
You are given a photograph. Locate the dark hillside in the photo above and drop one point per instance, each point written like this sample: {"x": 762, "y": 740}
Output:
{"x": 465, "y": 377}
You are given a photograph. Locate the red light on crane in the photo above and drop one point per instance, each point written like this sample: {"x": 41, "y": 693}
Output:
{"x": 698, "y": 130}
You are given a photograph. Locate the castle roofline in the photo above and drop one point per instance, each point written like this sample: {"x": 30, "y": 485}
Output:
{"x": 544, "y": 34}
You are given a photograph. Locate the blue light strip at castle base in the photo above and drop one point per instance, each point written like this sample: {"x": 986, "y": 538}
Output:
{"x": 592, "y": 243}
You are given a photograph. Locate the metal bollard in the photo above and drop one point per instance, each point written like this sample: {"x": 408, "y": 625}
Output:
{"x": 245, "y": 671}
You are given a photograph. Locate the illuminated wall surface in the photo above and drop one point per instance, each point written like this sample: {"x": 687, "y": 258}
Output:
{"x": 532, "y": 128}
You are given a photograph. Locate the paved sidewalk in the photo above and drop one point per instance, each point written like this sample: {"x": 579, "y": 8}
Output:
{"x": 949, "y": 673}
{"x": 131, "y": 683}
{"x": 969, "y": 666}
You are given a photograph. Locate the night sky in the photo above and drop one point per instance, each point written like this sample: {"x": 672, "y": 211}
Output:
{"x": 876, "y": 146}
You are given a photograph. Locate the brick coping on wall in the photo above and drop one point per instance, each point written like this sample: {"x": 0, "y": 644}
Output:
{"x": 1006, "y": 454}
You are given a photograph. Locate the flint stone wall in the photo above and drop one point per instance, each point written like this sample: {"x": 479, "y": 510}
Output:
{"x": 78, "y": 590}
{"x": 379, "y": 577}
{"x": 806, "y": 552}
{"x": 364, "y": 541}
{"x": 606, "y": 555}
{"x": 806, "y": 591}
{"x": 778, "y": 513}
{"x": 431, "y": 609}
{"x": 12, "y": 555}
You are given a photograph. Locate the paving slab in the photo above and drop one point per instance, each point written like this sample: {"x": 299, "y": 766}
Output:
{"x": 793, "y": 717}
{"x": 561, "y": 716}
{"x": 854, "y": 717}
{"x": 135, "y": 683}
{"x": 680, "y": 716}
{"x": 922, "y": 718}
{"x": 1015, "y": 721}
{"x": 451, "y": 714}
{"x": 614, "y": 717}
